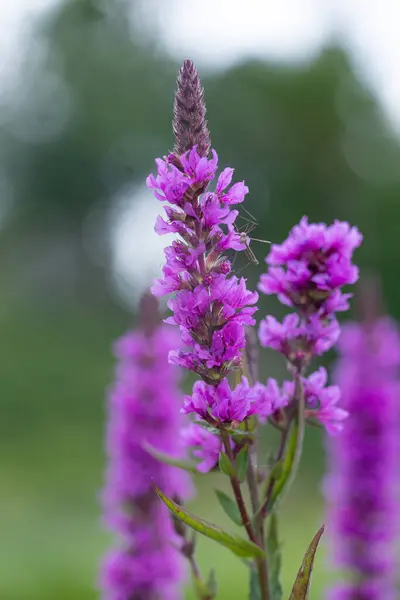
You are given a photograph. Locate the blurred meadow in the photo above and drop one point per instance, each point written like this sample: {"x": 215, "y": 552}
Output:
{"x": 83, "y": 115}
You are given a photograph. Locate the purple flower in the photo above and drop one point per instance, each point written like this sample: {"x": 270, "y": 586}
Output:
{"x": 203, "y": 444}
{"x": 361, "y": 485}
{"x": 209, "y": 304}
{"x": 271, "y": 398}
{"x": 146, "y": 565}
{"x": 311, "y": 266}
{"x": 299, "y": 338}
{"x": 224, "y": 404}
{"x": 307, "y": 272}
{"x": 321, "y": 401}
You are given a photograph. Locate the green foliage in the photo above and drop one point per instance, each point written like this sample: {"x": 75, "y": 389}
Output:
{"x": 274, "y": 558}
{"x": 205, "y": 590}
{"x": 239, "y": 546}
{"x": 186, "y": 465}
{"x": 229, "y": 506}
{"x": 225, "y": 465}
{"x": 255, "y": 592}
{"x": 283, "y": 473}
{"x": 242, "y": 463}
{"x": 301, "y": 586}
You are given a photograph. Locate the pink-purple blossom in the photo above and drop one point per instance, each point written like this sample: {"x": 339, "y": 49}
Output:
{"x": 307, "y": 272}
{"x": 361, "y": 486}
{"x": 203, "y": 445}
{"x": 311, "y": 264}
{"x": 294, "y": 336}
{"x": 224, "y": 404}
{"x": 145, "y": 565}
{"x": 210, "y": 305}
{"x": 321, "y": 400}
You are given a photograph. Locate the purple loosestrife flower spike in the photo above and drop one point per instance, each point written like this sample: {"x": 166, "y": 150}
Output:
{"x": 363, "y": 463}
{"x": 189, "y": 124}
{"x": 307, "y": 272}
{"x": 211, "y": 306}
{"x": 143, "y": 408}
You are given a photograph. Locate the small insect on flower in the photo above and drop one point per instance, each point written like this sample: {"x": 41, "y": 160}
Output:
{"x": 245, "y": 239}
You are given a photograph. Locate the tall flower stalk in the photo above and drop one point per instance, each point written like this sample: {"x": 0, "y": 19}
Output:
{"x": 146, "y": 565}
{"x": 361, "y": 487}
{"x": 307, "y": 273}
{"x": 214, "y": 311}
{"x": 210, "y": 304}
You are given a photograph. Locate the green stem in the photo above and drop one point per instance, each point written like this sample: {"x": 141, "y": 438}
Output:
{"x": 297, "y": 420}
{"x": 262, "y": 564}
{"x": 257, "y": 538}
{"x": 235, "y": 483}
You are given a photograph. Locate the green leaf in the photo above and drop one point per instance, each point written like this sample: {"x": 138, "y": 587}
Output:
{"x": 301, "y": 586}
{"x": 255, "y": 592}
{"x": 212, "y": 583}
{"x": 186, "y": 465}
{"x": 241, "y": 463}
{"x": 229, "y": 506}
{"x": 204, "y": 591}
{"x": 274, "y": 558}
{"x": 239, "y": 546}
{"x": 277, "y": 470}
{"x": 225, "y": 465}
{"x": 209, "y": 427}
{"x": 292, "y": 454}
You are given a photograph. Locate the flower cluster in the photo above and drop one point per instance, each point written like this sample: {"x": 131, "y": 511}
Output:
{"x": 361, "y": 486}
{"x": 307, "y": 272}
{"x": 146, "y": 565}
{"x": 210, "y": 305}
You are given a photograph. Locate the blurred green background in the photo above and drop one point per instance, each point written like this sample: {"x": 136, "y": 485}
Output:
{"x": 79, "y": 132}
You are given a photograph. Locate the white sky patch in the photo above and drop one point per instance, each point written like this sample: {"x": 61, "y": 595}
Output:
{"x": 372, "y": 29}
{"x": 17, "y": 22}
{"x": 137, "y": 251}
{"x": 219, "y": 32}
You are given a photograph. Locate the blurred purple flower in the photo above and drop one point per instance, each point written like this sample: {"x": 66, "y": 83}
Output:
{"x": 203, "y": 445}
{"x": 361, "y": 487}
{"x": 143, "y": 408}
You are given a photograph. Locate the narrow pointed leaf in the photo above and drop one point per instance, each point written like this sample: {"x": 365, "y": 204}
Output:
{"x": 277, "y": 470}
{"x": 202, "y": 590}
{"x": 212, "y": 583}
{"x": 229, "y": 507}
{"x": 274, "y": 558}
{"x": 225, "y": 465}
{"x": 208, "y": 427}
{"x": 241, "y": 463}
{"x": 186, "y": 465}
{"x": 301, "y": 586}
{"x": 239, "y": 546}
